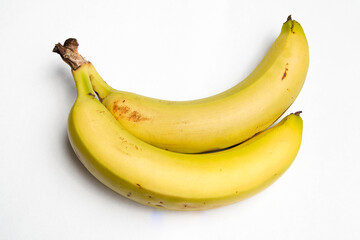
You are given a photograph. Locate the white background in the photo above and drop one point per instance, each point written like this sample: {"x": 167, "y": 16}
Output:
{"x": 174, "y": 50}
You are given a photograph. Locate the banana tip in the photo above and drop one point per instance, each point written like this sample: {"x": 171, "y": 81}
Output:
{"x": 298, "y": 113}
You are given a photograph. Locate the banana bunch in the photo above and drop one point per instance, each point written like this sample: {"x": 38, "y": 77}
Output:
{"x": 161, "y": 153}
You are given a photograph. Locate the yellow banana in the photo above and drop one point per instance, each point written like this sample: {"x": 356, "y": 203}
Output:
{"x": 222, "y": 120}
{"x": 170, "y": 180}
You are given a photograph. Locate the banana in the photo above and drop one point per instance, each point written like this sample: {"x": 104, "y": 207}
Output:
{"x": 170, "y": 180}
{"x": 221, "y": 120}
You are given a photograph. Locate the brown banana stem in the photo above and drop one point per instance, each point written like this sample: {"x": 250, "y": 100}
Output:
{"x": 69, "y": 53}
{"x": 298, "y": 113}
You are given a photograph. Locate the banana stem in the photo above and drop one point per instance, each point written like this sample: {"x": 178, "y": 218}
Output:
{"x": 69, "y": 53}
{"x": 82, "y": 81}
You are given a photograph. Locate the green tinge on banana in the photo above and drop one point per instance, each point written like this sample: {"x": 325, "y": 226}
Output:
{"x": 170, "y": 180}
{"x": 222, "y": 120}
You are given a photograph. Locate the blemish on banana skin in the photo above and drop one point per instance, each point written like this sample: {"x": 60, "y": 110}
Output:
{"x": 186, "y": 205}
{"x": 120, "y": 109}
{"x": 292, "y": 24}
{"x": 125, "y": 112}
{"x": 135, "y": 116}
{"x": 292, "y": 27}
{"x": 285, "y": 72}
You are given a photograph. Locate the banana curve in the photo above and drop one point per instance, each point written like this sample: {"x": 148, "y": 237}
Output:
{"x": 224, "y": 119}
{"x": 176, "y": 181}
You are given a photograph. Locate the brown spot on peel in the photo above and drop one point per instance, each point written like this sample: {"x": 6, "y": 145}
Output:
{"x": 188, "y": 206}
{"x": 135, "y": 116}
{"x": 292, "y": 27}
{"x": 125, "y": 111}
{"x": 285, "y": 72}
{"x": 292, "y": 23}
{"x": 120, "y": 109}
{"x": 139, "y": 186}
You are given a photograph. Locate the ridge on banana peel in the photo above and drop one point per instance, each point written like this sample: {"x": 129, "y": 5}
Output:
{"x": 222, "y": 120}
{"x": 170, "y": 180}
